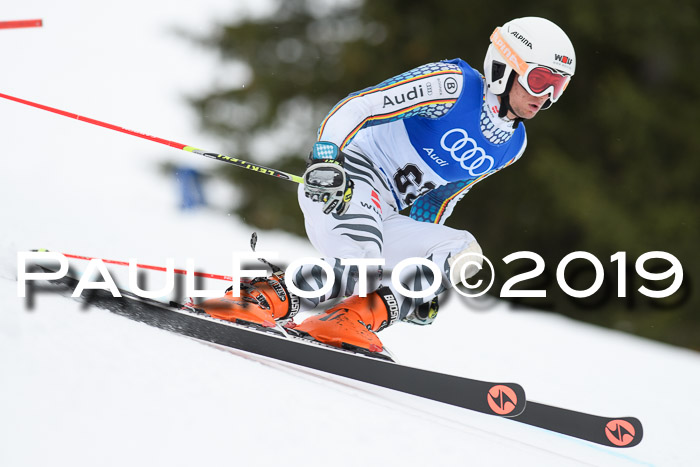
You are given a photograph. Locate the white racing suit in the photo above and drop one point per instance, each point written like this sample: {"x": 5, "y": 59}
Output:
{"x": 421, "y": 139}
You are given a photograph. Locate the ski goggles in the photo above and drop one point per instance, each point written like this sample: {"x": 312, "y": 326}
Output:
{"x": 537, "y": 80}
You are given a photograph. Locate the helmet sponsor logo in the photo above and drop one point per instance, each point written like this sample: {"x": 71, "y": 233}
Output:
{"x": 467, "y": 152}
{"x": 563, "y": 59}
{"x": 522, "y": 39}
{"x": 508, "y": 54}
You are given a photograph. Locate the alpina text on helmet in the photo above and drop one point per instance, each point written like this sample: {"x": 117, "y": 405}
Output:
{"x": 522, "y": 39}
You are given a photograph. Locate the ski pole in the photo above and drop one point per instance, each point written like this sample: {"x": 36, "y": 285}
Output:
{"x": 228, "y": 159}
{"x": 23, "y": 23}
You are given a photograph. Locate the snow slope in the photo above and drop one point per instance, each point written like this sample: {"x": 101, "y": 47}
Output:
{"x": 84, "y": 387}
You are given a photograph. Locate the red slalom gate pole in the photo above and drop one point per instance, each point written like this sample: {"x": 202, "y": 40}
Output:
{"x": 147, "y": 266}
{"x": 22, "y": 23}
{"x": 220, "y": 157}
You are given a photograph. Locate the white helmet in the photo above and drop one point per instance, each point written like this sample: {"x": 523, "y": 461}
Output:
{"x": 537, "y": 50}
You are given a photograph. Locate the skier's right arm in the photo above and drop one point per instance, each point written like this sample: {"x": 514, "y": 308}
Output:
{"x": 325, "y": 180}
{"x": 420, "y": 92}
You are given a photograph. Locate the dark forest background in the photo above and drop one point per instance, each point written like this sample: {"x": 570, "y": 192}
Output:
{"x": 613, "y": 166}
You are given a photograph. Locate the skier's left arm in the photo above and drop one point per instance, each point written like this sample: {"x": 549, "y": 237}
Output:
{"x": 422, "y": 91}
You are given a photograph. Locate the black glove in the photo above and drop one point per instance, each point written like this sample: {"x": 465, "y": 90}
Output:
{"x": 325, "y": 180}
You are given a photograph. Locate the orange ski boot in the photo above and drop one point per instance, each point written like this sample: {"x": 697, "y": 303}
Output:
{"x": 353, "y": 322}
{"x": 262, "y": 301}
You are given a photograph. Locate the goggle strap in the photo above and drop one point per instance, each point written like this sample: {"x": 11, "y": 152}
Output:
{"x": 508, "y": 54}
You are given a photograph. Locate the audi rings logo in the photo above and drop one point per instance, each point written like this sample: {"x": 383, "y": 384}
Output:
{"x": 464, "y": 150}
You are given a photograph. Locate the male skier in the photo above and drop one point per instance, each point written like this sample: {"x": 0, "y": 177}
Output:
{"x": 421, "y": 139}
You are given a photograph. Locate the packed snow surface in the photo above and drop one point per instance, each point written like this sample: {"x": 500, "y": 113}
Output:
{"x": 83, "y": 387}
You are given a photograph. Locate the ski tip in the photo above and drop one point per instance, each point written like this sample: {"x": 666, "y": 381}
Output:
{"x": 624, "y": 432}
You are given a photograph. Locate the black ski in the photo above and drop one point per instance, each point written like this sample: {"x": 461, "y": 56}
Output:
{"x": 621, "y": 432}
{"x": 503, "y": 399}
